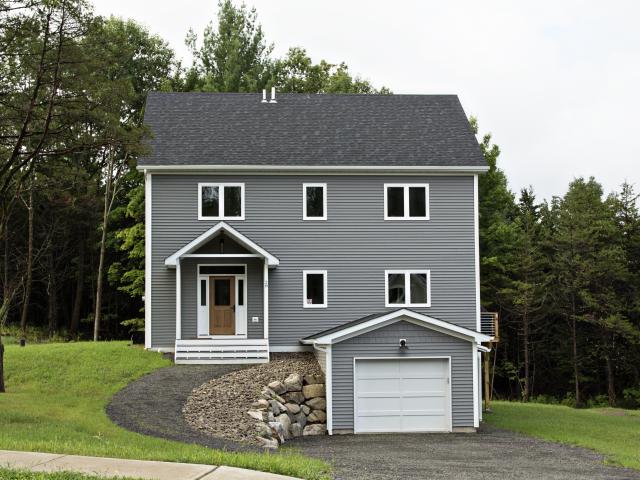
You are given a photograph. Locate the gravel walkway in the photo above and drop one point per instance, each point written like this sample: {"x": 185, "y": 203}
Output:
{"x": 219, "y": 407}
{"x": 152, "y": 405}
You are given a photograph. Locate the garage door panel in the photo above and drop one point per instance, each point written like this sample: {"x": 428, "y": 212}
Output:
{"x": 396, "y": 395}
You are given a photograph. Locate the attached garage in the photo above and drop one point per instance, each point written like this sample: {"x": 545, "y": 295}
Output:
{"x": 400, "y": 372}
{"x": 402, "y": 395}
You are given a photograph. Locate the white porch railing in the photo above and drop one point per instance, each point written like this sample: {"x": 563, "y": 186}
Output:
{"x": 222, "y": 351}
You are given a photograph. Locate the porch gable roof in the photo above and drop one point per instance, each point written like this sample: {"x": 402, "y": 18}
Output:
{"x": 220, "y": 227}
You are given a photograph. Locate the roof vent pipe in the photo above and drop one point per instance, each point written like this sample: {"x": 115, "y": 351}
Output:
{"x": 264, "y": 95}
{"x": 273, "y": 95}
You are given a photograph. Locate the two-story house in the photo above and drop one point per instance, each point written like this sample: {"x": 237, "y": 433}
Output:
{"x": 341, "y": 224}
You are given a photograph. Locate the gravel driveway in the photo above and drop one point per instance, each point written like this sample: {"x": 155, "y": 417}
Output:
{"x": 490, "y": 454}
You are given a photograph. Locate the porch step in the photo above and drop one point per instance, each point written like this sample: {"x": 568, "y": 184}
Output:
{"x": 222, "y": 351}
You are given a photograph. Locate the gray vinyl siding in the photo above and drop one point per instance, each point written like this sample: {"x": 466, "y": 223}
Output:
{"x": 384, "y": 342}
{"x": 189, "y": 305}
{"x": 355, "y": 245}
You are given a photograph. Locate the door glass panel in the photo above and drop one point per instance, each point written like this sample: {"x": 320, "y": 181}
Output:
{"x": 240, "y": 292}
{"x": 417, "y": 202}
{"x": 395, "y": 202}
{"x": 396, "y": 288}
{"x": 315, "y": 201}
{"x": 222, "y": 292}
{"x": 232, "y": 202}
{"x": 418, "y": 286}
{"x": 315, "y": 288}
{"x": 222, "y": 270}
{"x": 210, "y": 202}
{"x": 203, "y": 293}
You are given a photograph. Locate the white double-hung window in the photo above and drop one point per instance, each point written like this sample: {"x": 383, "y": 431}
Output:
{"x": 221, "y": 201}
{"x": 404, "y": 201}
{"x": 407, "y": 288}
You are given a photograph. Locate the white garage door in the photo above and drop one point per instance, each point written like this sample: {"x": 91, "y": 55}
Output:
{"x": 402, "y": 395}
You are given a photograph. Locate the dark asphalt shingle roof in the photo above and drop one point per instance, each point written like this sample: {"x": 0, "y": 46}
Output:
{"x": 309, "y": 130}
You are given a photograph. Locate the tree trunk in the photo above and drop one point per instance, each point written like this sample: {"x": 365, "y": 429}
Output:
{"x": 525, "y": 341}
{"x": 77, "y": 302}
{"x": 29, "y": 267}
{"x": 105, "y": 219}
{"x": 574, "y": 348}
{"x": 52, "y": 307}
{"x": 611, "y": 387}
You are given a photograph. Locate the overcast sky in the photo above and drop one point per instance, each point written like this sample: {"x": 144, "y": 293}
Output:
{"x": 557, "y": 83}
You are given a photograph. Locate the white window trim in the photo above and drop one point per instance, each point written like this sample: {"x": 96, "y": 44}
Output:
{"x": 406, "y": 187}
{"x": 304, "y": 201}
{"x": 304, "y": 289}
{"x": 407, "y": 291}
{"x": 221, "y": 187}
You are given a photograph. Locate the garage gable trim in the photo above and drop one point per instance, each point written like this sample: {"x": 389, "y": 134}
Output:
{"x": 374, "y": 323}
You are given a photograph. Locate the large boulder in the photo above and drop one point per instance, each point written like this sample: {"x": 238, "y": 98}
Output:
{"x": 261, "y": 404}
{"x": 294, "y": 397}
{"x": 284, "y": 419}
{"x": 293, "y": 383}
{"x": 292, "y": 408}
{"x": 277, "y": 387}
{"x": 313, "y": 390}
{"x": 267, "y": 393}
{"x": 305, "y": 409}
{"x": 317, "y": 416}
{"x": 263, "y": 430}
{"x": 301, "y": 419}
{"x": 276, "y": 407}
{"x": 257, "y": 414}
{"x": 317, "y": 403}
{"x": 315, "y": 429}
{"x": 313, "y": 379}
{"x": 267, "y": 442}
{"x": 278, "y": 432}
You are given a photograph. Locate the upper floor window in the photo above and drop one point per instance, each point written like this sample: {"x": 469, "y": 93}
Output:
{"x": 406, "y": 201}
{"x": 314, "y": 201}
{"x": 314, "y": 288}
{"x": 221, "y": 201}
{"x": 408, "y": 288}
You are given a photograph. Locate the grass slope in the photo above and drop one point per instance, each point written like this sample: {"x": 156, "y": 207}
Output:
{"x": 613, "y": 432}
{"x": 56, "y": 398}
{"x": 8, "y": 474}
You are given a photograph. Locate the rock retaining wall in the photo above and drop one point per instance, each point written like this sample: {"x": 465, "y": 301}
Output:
{"x": 290, "y": 408}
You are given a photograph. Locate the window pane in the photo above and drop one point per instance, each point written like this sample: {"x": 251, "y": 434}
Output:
{"x": 232, "y": 202}
{"x": 315, "y": 289}
{"x": 210, "y": 202}
{"x": 395, "y": 202}
{"x": 222, "y": 291}
{"x": 240, "y": 292}
{"x": 418, "y": 286}
{"x": 396, "y": 288}
{"x": 417, "y": 202}
{"x": 315, "y": 201}
{"x": 222, "y": 270}
{"x": 203, "y": 293}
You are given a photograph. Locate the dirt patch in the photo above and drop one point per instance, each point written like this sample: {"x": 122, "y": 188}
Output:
{"x": 219, "y": 407}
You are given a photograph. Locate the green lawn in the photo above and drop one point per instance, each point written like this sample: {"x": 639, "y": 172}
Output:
{"x": 611, "y": 431}
{"x": 7, "y": 474}
{"x": 56, "y": 398}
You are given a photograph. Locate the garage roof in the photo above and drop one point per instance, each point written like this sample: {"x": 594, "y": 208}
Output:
{"x": 378, "y": 320}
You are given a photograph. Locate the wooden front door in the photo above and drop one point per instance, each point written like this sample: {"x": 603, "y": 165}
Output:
{"x": 222, "y": 305}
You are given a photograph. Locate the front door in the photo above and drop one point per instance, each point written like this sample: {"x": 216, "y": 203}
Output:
{"x": 222, "y": 306}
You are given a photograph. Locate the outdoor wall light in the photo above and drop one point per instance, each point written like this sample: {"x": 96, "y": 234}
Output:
{"x": 403, "y": 343}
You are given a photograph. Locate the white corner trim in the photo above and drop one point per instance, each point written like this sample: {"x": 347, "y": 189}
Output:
{"x": 476, "y": 403}
{"x": 418, "y": 318}
{"x": 304, "y": 289}
{"x": 221, "y": 187}
{"x": 406, "y": 187}
{"x": 148, "y": 192}
{"x": 236, "y": 235}
{"x": 304, "y": 201}
{"x": 178, "y": 301}
{"x": 476, "y": 239}
{"x": 265, "y": 299}
{"x": 313, "y": 169}
{"x": 407, "y": 288}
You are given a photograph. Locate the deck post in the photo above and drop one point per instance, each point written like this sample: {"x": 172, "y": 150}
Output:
{"x": 265, "y": 297}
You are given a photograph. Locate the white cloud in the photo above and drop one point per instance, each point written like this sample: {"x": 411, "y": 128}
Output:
{"x": 557, "y": 83}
